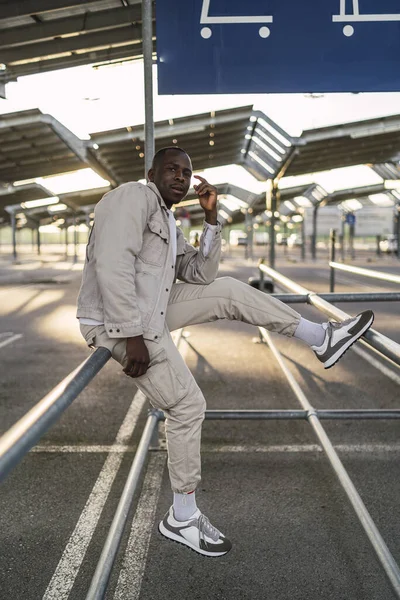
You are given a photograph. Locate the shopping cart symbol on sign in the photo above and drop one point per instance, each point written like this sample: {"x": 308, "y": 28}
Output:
{"x": 205, "y": 19}
{"x": 348, "y": 30}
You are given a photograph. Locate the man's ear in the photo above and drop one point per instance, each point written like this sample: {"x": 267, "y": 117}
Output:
{"x": 150, "y": 175}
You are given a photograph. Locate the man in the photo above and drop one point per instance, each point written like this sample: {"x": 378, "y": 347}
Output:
{"x": 129, "y": 302}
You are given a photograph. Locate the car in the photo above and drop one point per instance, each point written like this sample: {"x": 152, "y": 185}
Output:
{"x": 294, "y": 240}
{"x": 281, "y": 239}
{"x": 388, "y": 244}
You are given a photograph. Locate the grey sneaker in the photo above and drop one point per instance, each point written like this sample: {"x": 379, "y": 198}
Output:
{"x": 340, "y": 336}
{"x": 197, "y": 533}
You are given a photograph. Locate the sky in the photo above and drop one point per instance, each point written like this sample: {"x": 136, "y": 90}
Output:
{"x": 88, "y": 100}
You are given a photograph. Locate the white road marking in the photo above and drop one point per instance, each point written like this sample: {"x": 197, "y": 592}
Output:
{"x": 134, "y": 563}
{"x": 67, "y": 569}
{"x": 295, "y": 448}
{"x": 215, "y": 448}
{"x": 115, "y": 448}
{"x": 377, "y": 364}
{"x": 10, "y": 339}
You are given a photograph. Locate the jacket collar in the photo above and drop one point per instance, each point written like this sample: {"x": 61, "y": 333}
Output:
{"x": 154, "y": 188}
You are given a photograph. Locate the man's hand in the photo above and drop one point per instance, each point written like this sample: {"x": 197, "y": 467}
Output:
{"x": 208, "y": 196}
{"x": 138, "y": 356}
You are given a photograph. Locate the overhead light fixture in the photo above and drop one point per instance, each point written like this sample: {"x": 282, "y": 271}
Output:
{"x": 392, "y": 184}
{"x": 40, "y": 202}
{"x": 57, "y": 208}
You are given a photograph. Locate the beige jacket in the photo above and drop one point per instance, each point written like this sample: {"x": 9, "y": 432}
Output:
{"x": 129, "y": 268}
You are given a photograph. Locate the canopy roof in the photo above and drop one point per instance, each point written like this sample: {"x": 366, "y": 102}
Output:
{"x": 218, "y": 138}
{"x": 372, "y": 141}
{"x": 43, "y": 35}
{"x": 33, "y": 145}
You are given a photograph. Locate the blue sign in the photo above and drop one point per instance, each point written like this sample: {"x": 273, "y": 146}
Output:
{"x": 351, "y": 219}
{"x": 232, "y": 46}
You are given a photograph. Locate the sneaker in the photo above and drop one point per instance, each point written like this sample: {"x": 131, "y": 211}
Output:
{"x": 340, "y": 336}
{"x": 197, "y": 533}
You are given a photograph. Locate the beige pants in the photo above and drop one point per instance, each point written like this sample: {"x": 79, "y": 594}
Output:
{"x": 168, "y": 383}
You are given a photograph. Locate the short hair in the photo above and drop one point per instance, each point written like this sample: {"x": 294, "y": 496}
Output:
{"x": 158, "y": 157}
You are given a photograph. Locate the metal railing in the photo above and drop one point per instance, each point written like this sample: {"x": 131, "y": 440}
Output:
{"x": 389, "y": 349}
{"x": 381, "y": 275}
{"x": 23, "y": 435}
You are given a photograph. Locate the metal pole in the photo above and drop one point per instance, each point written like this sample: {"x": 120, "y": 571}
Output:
{"x": 274, "y": 193}
{"x": 102, "y": 574}
{"x": 382, "y": 551}
{"x": 38, "y": 239}
{"x": 147, "y": 32}
{"x": 398, "y": 232}
{"x": 303, "y": 237}
{"x": 366, "y": 272}
{"x": 338, "y": 297}
{"x": 378, "y": 247}
{"x": 351, "y": 239}
{"x": 314, "y": 234}
{"x": 332, "y": 259}
{"x": 20, "y": 438}
{"x": 75, "y": 241}
{"x": 66, "y": 241}
{"x": 14, "y": 235}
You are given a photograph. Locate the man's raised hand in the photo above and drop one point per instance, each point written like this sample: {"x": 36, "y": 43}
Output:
{"x": 208, "y": 197}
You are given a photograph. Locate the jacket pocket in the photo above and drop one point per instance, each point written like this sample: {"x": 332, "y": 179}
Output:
{"x": 155, "y": 243}
{"x": 161, "y": 384}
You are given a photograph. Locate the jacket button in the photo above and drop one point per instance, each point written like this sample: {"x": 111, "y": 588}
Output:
{"x": 110, "y": 330}
{"x": 117, "y": 330}
{"x": 167, "y": 290}
{"x": 160, "y": 230}
{"x": 172, "y": 266}
{"x": 155, "y": 337}
{"x": 162, "y": 313}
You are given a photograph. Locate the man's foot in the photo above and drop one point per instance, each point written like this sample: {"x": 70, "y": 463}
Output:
{"x": 197, "y": 533}
{"x": 340, "y": 336}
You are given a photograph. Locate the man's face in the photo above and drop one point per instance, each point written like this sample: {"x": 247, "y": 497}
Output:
{"x": 172, "y": 176}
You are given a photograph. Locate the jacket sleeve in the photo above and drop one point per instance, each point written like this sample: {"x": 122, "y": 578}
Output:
{"x": 193, "y": 266}
{"x": 120, "y": 219}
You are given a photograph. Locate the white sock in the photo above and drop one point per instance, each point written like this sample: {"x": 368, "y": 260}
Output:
{"x": 311, "y": 333}
{"x": 184, "y": 506}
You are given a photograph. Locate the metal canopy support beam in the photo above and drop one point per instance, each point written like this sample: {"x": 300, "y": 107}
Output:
{"x": 130, "y": 33}
{"x": 149, "y": 145}
{"x": 90, "y": 21}
{"x": 23, "y": 8}
{"x": 64, "y": 62}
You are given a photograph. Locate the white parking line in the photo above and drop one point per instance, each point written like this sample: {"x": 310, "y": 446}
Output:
{"x": 6, "y": 339}
{"x": 115, "y": 448}
{"x": 67, "y": 569}
{"x": 295, "y": 448}
{"x": 134, "y": 563}
{"x": 121, "y": 449}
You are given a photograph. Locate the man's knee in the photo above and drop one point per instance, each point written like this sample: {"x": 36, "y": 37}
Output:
{"x": 228, "y": 287}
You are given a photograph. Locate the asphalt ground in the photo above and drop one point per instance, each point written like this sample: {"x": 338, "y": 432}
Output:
{"x": 266, "y": 485}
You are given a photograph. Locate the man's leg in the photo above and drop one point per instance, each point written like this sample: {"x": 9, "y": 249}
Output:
{"x": 228, "y": 298}
{"x": 170, "y": 386}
